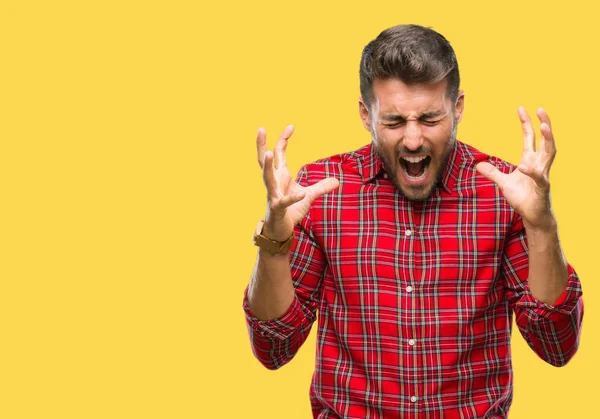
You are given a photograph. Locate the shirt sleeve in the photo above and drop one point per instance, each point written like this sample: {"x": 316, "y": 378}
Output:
{"x": 552, "y": 331}
{"x": 275, "y": 342}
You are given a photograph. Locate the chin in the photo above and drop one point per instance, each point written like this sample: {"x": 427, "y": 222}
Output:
{"x": 419, "y": 192}
{"x": 416, "y": 194}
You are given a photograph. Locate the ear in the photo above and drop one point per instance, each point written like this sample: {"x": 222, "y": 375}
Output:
{"x": 364, "y": 114}
{"x": 460, "y": 106}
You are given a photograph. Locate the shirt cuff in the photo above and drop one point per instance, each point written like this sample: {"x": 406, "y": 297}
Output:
{"x": 564, "y": 305}
{"x": 278, "y": 329}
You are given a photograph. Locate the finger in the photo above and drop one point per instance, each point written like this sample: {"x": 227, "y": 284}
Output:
{"x": 547, "y": 143}
{"x": 269, "y": 176}
{"x": 528, "y": 132}
{"x": 291, "y": 199}
{"x": 543, "y": 116}
{"x": 280, "y": 160}
{"x": 322, "y": 187}
{"x": 261, "y": 146}
{"x": 491, "y": 173}
{"x": 540, "y": 177}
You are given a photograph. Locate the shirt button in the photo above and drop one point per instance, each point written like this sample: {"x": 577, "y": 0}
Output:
{"x": 385, "y": 175}
{"x": 411, "y": 342}
{"x": 413, "y": 398}
{"x": 409, "y": 289}
{"x": 408, "y": 233}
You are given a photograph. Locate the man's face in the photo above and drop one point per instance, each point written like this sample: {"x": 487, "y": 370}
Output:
{"x": 414, "y": 130}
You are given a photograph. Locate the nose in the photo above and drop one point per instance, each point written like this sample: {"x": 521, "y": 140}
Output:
{"x": 413, "y": 138}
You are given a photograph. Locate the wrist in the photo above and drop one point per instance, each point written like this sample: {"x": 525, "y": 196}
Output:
{"x": 273, "y": 234}
{"x": 543, "y": 226}
{"x": 275, "y": 226}
{"x": 275, "y": 247}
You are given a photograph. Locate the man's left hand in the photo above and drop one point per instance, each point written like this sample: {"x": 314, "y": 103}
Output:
{"x": 527, "y": 188}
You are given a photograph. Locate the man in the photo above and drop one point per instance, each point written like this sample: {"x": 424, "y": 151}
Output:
{"x": 415, "y": 249}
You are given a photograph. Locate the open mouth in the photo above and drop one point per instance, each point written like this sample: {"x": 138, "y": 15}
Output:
{"x": 415, "y": 167}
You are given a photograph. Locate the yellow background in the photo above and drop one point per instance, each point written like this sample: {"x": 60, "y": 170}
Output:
{"x": 129, "y": 188}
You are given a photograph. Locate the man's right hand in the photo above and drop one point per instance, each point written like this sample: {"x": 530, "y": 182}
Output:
{"x": 287, "y": 202}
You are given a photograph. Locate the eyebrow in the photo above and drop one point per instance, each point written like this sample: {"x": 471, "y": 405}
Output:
{"x": 395, "y": 117}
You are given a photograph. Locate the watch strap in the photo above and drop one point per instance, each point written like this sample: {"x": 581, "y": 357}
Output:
{"x": 272, "y": 246}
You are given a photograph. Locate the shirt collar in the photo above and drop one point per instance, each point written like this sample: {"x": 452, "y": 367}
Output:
{"x": 371, "y": 166}
{"x": 369, "y": 163}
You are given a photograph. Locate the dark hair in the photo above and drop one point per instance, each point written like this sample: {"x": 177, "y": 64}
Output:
{"x": 411, "y": 53}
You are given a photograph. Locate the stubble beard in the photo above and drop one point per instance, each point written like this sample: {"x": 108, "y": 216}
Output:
{"x": 392, "y": 166}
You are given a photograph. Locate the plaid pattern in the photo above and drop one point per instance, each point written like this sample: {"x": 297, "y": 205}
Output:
{"x": 415, "y": 299}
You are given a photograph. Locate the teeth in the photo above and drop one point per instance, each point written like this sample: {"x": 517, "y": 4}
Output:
{"x": 414, "y": 159}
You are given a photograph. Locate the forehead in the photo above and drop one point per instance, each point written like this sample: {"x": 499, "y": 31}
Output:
{"x": 394, "y": 96}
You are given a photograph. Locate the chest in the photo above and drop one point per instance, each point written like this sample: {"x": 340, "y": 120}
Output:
{"x": 381, "y": 247}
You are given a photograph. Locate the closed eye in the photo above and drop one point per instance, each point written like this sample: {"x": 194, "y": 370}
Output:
{"x": 431, "y": 123}
{"x": 395, "y": 125}
{"x": 427, "y": 122}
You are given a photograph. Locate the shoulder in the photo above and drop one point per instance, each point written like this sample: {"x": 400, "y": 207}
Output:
{"x": 471, "y": 156}
{"x": 486, "y": 193}
{"x": 344, "y": 166}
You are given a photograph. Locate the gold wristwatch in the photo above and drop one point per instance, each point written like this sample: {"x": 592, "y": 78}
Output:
{"x": 271, "y": 246}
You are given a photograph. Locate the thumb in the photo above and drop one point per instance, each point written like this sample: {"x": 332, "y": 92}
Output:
{"x": 491, "y": 173}
{"x": 322, "y": 187}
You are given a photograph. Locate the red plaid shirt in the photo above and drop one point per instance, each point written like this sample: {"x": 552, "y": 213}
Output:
{"x": 415, "y": 299}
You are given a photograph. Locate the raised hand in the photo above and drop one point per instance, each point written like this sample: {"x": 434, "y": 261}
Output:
{"x": 287, "y": 202}
{"x": 527, "y": 188}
